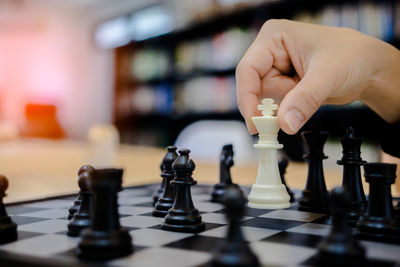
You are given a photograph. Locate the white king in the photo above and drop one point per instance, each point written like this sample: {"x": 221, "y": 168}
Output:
{"x": 268, "y": 192}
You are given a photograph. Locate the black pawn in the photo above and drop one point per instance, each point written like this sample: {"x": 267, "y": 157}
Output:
{"x": 351, "y": 161}
{"x": 158, "y": 194}
{"x": 105, "y": 238}
{"x": 81, "y": 218}
{"x": 339, "y": 248}
{"x": 8, "y": 229}
{"x": 225, "y": 164}
{"x": 235, "y": 251}
{"x": 315, "y": 197}
{"x": 183, "y": 216}
{"x": 282, "y": 164}
{"x": 77, "y": 203}
{"x": 168, "y": 197}
{"x": 379, "y": 222}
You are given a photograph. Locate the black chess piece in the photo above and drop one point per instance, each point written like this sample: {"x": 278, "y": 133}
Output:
{"x": 81, "y": 218}
{"x": 8, "y": 229}
{"x": 315, "y": 197}
{"x": 351, "y": 161}
{"x": 158, "y": 194}
{"x": 379, "y": 222}
{"x": 167, "y": 200}
{"x": 77, "y": 203}
{"x": 105, "y": 238}
{"x": 282, "y": 164}
{"x": 225, "y": 164}
{"x": 235, "y": 251}
{"x": 183, "y": 216}
{"x": 339, "y": 247}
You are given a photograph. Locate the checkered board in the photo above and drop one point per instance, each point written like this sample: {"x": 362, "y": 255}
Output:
{"x": 279, "y": 237}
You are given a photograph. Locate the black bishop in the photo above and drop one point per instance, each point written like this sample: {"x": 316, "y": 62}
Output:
{"x": 183, "y": 216}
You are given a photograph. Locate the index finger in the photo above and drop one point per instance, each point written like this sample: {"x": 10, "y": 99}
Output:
{"x": 254, "y": 65}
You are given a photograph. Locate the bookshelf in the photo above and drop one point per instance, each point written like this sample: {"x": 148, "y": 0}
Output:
{"x": 164, "y": 83}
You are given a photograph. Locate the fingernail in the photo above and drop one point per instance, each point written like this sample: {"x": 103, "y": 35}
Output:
{"x": 294, "y": 119}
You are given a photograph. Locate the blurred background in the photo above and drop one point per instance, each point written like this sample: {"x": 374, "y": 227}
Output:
{"x": 151, "y": 68}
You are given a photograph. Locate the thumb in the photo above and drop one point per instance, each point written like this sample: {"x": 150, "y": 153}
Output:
{"x": 302, "y": 102}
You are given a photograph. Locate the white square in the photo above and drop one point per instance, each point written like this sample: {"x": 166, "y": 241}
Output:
{"x": 218, "y": 218}
{"x": 201, "y": 197}
{"x": 49, "y": 214}
{"x": 377, "y": 250}
{"x": 52, "y": 204}
{"x": 43, "y": 245}
{"x": 134, "y": 210}
{"x": 134, "y": 200}
{"x": 155, "y": 237}
{"x": 270, "y": 253}
{"x": 312, "y": 229}
{"x": 46, "y": 227}
{"x": 208, "y": 206}
{"x": 293, "y": 215}
{"x": 163, "y": 256}
{"x": 134, "y": 192}
{"x": 140, "y": 221}
{"x": 251, "y": 234}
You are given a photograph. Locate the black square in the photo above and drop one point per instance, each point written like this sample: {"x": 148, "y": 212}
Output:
{"x": 304, "y": 240}
{"x": 269, "y": 223}
{"x": 327, "y": 219}
{"x": 16, "y": 210}
{"x": 197, "y": 242}
{"x": 249, "y": 212}
{"x": 21, "y": 220}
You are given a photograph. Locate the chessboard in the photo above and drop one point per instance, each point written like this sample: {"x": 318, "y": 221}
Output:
{"x": 286, "y": 237}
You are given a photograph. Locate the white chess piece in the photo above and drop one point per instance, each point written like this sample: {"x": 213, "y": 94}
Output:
{"x": 268, "y": 192}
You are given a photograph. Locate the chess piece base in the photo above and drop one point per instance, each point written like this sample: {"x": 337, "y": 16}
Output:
{"x": 314, "y": 201}
{"x": 162, "y": 207}
{"x": 8, "y": 230}
{"x": 183, "y": 221}
{"x": 378, "y": 229}
{"x": 74, "y": 209}
{"x": 268, "y": 197}
{"x": 78, "y": 223}
{"x": 103, "y": 245}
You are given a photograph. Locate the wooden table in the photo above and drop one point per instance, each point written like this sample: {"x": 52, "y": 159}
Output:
{"x": 43, "y": 168}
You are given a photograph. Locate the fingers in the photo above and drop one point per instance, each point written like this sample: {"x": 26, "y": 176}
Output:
{"x": 254, "y": 65}
{"x": 303, "y": 101}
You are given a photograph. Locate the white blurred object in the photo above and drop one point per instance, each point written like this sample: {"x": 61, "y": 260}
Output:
{"x": 103, "y": 143}
{"x": 206, "y": 138}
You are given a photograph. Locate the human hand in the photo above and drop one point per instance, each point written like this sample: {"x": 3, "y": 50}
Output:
{"x": 302, "y": 66}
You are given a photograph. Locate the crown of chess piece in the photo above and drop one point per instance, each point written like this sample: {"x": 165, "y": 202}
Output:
{"x": 77, "y": 203}
{"x": 235, "y": 251}
{"x": 183, "y": 216}
{"x": 225, "y": 164}
{"x": 168, "y": 197}
{"x": 339, "y": 248}
{"x": 105, "y": 238}
{"x": 282, "y": 164}
{"x": 8, "y": 229}
{"x": 158, "y": 194}
{"x": 315, "y": 197}
{"x": 379, "y": 223}
{"x": 268, "y": 192}
{"x": 351, "y": 161}
{"x": 81, "y": 219}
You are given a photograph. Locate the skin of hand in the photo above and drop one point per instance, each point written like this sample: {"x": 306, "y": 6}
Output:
{"x": 302, "y": 66}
